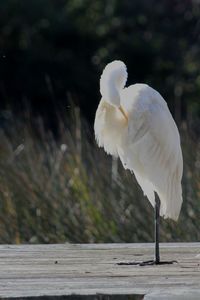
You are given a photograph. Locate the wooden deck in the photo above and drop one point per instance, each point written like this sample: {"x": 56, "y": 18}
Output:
{"x": 68, "y": 269}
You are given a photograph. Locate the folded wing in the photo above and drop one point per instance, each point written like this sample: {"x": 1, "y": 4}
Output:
{"x": 154, "y": 154}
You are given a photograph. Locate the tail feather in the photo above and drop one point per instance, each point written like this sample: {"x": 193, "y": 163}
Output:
{"x": 173, "y": 198}
{"x": 170, "y": 196}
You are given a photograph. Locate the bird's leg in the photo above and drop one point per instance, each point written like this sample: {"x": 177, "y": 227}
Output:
{"x": 157, "y": 224}
{"x": 156, "y": 261}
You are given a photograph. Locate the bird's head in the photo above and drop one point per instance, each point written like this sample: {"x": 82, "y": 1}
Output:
{"x": 113, "y": 80}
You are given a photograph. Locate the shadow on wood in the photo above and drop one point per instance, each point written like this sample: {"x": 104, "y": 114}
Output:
{"x": 92, "y": 270}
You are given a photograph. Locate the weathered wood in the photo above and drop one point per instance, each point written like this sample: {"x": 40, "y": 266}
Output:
{"x": 54, "y": 270}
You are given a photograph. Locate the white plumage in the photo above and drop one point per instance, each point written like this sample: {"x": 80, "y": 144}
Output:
{"x": 135, "y": 124}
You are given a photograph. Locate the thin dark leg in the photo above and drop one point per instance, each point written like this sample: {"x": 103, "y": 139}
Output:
{"x": 156, "y": 261}
{"x": 157, "y": 223}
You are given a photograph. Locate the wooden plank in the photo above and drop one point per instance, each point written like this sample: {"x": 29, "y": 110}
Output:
{"x": 68, "y": 269}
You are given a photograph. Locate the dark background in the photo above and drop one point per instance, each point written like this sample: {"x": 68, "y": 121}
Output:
{"x": 52, "y": 51}
{"x": 56, "y": 185}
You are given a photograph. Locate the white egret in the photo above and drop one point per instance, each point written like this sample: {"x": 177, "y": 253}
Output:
{"x": 135, "y": 124}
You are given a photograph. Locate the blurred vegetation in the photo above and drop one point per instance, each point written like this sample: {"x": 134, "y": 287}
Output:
{"x": 55, "y": 184}
{"x": 52, "y": 48}
{"x": 69, "y": 190}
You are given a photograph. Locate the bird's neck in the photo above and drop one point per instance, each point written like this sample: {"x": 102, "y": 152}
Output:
{"x": 112, "y": 94}
{"x": 111, "y": 84}
{"x": 112, "y": 126}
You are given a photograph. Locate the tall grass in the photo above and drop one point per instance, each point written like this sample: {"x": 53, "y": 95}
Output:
{"x": 65, "y": 189}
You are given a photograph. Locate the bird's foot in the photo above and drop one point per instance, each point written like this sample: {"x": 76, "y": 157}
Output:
{"x": 146, "y": 263}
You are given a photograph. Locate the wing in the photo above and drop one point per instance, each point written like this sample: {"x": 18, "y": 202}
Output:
{"x": 155, "y": 155}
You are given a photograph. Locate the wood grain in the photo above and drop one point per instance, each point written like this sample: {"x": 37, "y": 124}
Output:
{"x": 89, "y": 269}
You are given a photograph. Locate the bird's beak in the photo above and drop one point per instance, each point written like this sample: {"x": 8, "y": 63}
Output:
{"x": 123, "y": 113}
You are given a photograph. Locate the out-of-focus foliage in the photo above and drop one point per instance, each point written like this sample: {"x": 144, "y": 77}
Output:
{"x": 69, "y": 190}
{"x": 56, "y": 188}
{"x": 62, "y": 46}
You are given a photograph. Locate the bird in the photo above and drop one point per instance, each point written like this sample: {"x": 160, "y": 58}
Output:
{"x": 134, "y": 124}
